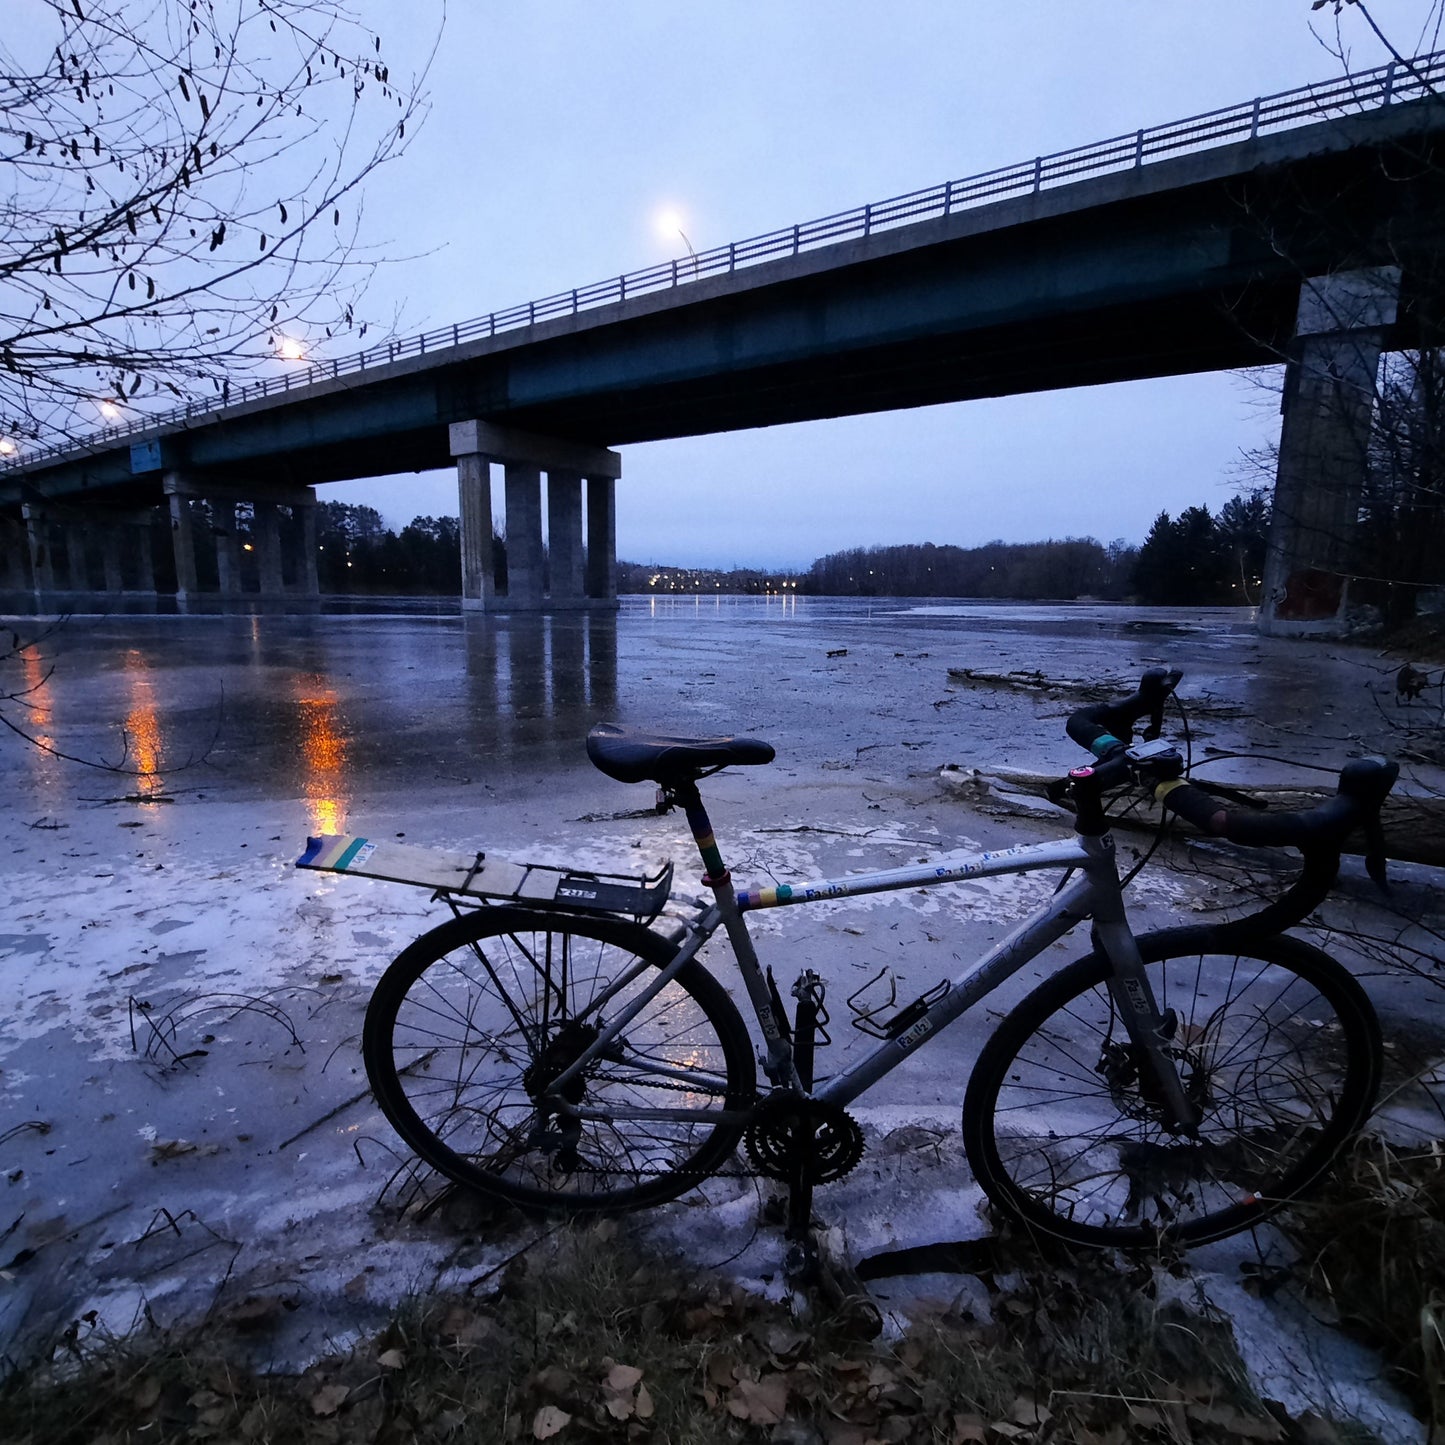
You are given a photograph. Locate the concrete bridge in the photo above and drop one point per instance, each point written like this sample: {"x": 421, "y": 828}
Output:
{"x": 1294, "y": 227}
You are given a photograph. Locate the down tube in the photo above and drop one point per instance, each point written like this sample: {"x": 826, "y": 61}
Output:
{"x": 1070, "y": 907}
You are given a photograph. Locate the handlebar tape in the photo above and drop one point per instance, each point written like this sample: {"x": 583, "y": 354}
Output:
{"x": 1103, "y": 726}
{"x": 1363, "y": 787}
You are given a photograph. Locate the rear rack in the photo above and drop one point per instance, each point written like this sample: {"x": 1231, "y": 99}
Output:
{"x": 475, "y": 875}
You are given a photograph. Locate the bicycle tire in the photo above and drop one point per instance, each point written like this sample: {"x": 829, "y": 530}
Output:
{"x": 1274, "y": 1039}
{"x": 470, "y": 1022}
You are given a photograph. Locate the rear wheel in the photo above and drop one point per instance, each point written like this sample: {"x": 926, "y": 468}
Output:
{"x": 1274, "y": 1041}
{"x": 471, "y": 1025}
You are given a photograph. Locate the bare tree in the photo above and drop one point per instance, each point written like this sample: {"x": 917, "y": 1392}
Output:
{"x": 179, "y": 195}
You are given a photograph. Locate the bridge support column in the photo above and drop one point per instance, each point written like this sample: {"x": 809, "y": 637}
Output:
{"x": 183, "y": 533}
{"x": 268, "y": 549}
{"x": 476, "y": 445}
{"x": 602, "y": 541}
{"x": 72, "y": 535}
{"x": 1329, "y": 396}
{"x": 145, "y": 579}
{"x": 14, "y": 576}
{"x": 110, "y": 538}
{"x": 564, "y": 537}
{"x": 474, "y": 491}
{"x": 308, "y": 578}
{"x": 524, "y": 537}
{"x": 228, "y": 548}
{"x": 42, "y": 568}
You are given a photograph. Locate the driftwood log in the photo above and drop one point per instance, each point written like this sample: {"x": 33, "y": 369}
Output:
{"x": 1414, "y": 827}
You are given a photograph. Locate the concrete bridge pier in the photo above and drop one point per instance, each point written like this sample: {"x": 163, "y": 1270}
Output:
{"x": 1329, "y": 397}
{"x": 42, "y": 559}
{"x": 228, "y": 548}
{"x": 14, "y": 553}
{"x": 108, "y": 539}
{"x": 576, "y": 579}
{"x": 270, "y": 541}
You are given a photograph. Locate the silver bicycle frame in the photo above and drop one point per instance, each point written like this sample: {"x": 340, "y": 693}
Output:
{"x": 1095, "y": 894}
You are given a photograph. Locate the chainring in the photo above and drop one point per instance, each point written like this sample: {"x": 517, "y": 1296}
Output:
{"x": 776, "y": 1134}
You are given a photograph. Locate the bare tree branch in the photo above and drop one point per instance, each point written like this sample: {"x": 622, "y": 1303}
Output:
{"x": 182, "y": 197}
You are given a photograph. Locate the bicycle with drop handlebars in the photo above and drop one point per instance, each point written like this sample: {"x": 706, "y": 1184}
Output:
{"x": 1178, "y": 1085}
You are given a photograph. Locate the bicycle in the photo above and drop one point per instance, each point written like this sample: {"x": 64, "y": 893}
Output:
{"x": 547, "y": 1048}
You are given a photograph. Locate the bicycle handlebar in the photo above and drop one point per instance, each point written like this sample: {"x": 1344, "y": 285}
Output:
{"x": 1107, "y": 728}
{"x": 1104, "y": 726}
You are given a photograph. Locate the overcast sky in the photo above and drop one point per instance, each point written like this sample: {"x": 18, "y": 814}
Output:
{"x": 561, "y": 128}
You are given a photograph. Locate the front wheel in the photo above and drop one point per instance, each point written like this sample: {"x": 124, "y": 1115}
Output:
{"x": 1274, "y": 1042}
{"x": 471, "y": 1025}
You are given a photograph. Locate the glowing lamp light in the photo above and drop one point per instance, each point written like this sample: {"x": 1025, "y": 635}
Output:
{"x": 288, "y": 348}
{"x": 7, "y": 447}
{"x": 109, "y": 410}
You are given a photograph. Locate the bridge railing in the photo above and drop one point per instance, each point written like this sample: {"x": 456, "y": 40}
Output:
{"x": 1353, "y": 94}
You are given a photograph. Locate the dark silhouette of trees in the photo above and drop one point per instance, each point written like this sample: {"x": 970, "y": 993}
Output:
{"x": 1200, "y": 559}
{"x": 1401, "y": 545}
{"x": 359, "y": 554}
{"x": 181, "y": 187}
{"x": 1074, "y": 567}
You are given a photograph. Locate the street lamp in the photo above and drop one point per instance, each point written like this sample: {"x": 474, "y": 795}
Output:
{"x": 669, "y": 224}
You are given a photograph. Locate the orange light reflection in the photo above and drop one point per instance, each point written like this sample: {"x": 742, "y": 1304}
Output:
{"x": 143, "y": 728}
{"x": 323, "y": 750}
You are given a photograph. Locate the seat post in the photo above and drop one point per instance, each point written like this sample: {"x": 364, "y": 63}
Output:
{"x": 698, "y": 821}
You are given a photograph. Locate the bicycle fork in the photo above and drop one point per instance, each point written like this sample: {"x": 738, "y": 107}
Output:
{"x": 1151, "y": 1030}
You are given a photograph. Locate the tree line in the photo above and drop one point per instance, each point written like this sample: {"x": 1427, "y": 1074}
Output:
{"x": 1195, "y": 558}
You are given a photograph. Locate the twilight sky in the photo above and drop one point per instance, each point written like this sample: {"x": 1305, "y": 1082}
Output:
{"x": 560, "y": 129}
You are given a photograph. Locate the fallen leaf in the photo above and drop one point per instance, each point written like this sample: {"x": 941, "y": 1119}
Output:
{"x": 763, "y": 1402}
{"x": 967, "y": 1429}
{"x": 644, "y": 1403}
{"x": 722, "y": 1370}
{"x": 391, "y": 1359}
{"x": 623, "y": 1377}
{"x": 548, "y": 1421}
{"x": 1029, "y": 1412}
{"x": 328, "y": 1399}
{"x": 146, "y": 1393}
{"x": 553, "y": 1380}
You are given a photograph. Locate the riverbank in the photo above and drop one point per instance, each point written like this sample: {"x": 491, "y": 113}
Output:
{"x": 191, "y": 1124}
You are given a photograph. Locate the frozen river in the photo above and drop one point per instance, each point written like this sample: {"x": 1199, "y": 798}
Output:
{"x": 334, "y": 709}
{"x": 185, "y": 1117}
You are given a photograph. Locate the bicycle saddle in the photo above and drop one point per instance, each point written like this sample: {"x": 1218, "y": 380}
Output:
{"x": 633, "y": 756}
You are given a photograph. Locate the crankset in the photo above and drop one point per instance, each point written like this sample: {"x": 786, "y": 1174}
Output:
{"x": 791, "y": 1132}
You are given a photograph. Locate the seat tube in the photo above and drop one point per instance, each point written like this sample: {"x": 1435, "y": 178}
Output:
{"x": 778, "y": 1062}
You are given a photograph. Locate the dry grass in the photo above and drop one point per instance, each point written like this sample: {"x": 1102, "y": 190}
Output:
{"x": 1374, "y": 1245}
{"x": 590, "y": 1340}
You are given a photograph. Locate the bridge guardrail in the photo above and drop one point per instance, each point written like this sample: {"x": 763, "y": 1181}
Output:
{"x": 1352, "y": 94}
